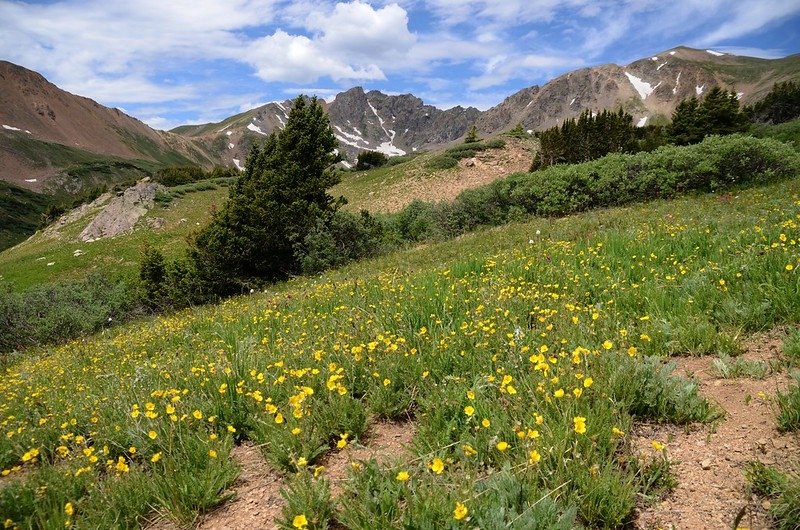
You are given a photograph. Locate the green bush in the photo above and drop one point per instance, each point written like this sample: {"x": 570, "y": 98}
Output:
{"x": 370, "y": 159}
{"x": 450, "y": 157}
{"x": 345, "y": 238}
{"x": 61, "y": 311}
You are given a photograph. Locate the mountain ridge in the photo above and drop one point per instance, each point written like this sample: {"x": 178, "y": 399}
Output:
{"x": 46, "y": 132}
{"x": 648, "y": 88}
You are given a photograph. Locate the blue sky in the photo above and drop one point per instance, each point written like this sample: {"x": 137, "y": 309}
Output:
{"x": 193, "y": 61}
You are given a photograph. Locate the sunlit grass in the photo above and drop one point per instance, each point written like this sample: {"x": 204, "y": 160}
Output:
{"x": 522, "y": 353}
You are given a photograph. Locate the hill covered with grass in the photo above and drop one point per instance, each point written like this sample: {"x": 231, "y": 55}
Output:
{"x": 520, "y": 356}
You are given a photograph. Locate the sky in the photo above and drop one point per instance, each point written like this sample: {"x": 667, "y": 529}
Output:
{"x": 177, "y": 62}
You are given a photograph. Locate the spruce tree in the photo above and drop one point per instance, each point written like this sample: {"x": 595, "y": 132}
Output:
{"x": 281, "y": 196}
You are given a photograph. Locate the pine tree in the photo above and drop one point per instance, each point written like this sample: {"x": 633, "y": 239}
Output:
{"x": 281, "y": 196}
{"x": 685, "y": 128}
{"x": 472, "y": 136}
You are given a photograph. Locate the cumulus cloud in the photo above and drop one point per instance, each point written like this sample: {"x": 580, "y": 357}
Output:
{"x": 351, "y": 42}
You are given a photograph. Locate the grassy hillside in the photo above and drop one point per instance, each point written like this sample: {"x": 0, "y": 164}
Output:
{"x": 20, "y": 213}
{"x": 49, "y": 256}
{"x": 383, "y": 189}
{"x": 520, "y": 356}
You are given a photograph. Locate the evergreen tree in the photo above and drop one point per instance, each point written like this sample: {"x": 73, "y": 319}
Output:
{"x": 780, "y": 105}
{"x": 472, "y": 136}
{"x": 281, "y": 196}
{"x": 685, "y": 128}
{"x": 718, "y": 114}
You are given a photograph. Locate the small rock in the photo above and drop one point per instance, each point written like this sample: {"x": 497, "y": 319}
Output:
{"x": 705, "y": 464}
{"x": 766, "y": 505}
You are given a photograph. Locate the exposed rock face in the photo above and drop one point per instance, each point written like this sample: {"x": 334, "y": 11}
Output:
{"x": 123, "y": 212}
{"x": 648, "y": 88}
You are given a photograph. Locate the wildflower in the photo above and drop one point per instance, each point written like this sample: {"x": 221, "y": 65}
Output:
{"x": 617, "y": 432}
{"x": 471, "y": 394}
{"x": 658, "y": 446}
{"x": 300, "y": 521}
{"x": 580, "y": 424}
{"x": 632, "y": 351}
{"x": 559, "y": 393}
{"x": 577, "y": 391}
{"x": 588, "y": 382}
{"x": 501, "y": 446}
{"x": 460, "y": 511}
{"x": 534, "y": 457}
{"x": 402, "y": 476}
{"x": 152, "y": 435}
{"x": 231, "y": 429}
{"x": 30, "y": 455}
{"x": 296, "y": 431}
{"x": 197, "y": 415}
{"x": 789, "y": 266}
{"x": 318, "y": 471}
{"x": 155, "y": 458}
{"x": 607, "y": 345}
{"x": 486, "y": 423}
{"x": 437, "y": 466}
{"x": 121, "y": 466}
{"x": 302, "y": 462}
{"x": 69, "y": 509}
{"x": 212, "y": 453}
{"x": 469, "y": 450}
{"x": 469, "y": 410}
{"x": 279, "y": 418}
{"x": 342, "y": 443}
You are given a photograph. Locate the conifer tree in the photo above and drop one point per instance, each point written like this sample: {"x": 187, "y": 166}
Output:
{"x": 281, "y": 196}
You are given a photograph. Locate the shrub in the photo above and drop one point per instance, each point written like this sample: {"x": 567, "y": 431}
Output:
{"x": 343, "y": 239}
{"x": 61, "y": 311}
{"x": 370, "y": 159}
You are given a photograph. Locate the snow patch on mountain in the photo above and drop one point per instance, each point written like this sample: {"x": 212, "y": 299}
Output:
{"x": 660, "y": 65}
{"x": 699, "y": 89}
{"x": 231, "y": 146}
{"x": 350, "y": 139}
{"x": 642, "y": 122}
{"x": 712, "y": 52}
{"x": 642, "y": 87}
{"x": 387, "y": 148}
{"x": 237, "y": 164}
{"x": 256, "y": 128}
{"x": 677, "y": 83}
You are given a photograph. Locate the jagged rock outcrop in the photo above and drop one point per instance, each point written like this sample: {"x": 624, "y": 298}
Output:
{"x": 123, "y": 212}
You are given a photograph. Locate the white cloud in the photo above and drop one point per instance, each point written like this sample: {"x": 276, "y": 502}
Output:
{"x": 502, "y": 68}
{"x": 298, "y": 59}
{"x": 748, "y": 17}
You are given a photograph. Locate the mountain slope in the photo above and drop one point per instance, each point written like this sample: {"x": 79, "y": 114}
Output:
{"x": 649, "y": 88}
{"x": 45, "y": 130}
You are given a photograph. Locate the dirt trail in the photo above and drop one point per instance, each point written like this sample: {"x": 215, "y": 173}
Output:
{"x": 709, "y": 460}
{"x": 258, "y": 501}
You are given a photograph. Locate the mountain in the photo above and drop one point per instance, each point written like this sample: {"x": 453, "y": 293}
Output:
{"x": 648, "y": 88}
{"x": 394, "y": 125}
{"x": 57, "y": 142}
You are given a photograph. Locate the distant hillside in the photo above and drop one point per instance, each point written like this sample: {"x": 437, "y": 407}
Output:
{"x": 47, "y": 135}
{"x": 649, "y": 88}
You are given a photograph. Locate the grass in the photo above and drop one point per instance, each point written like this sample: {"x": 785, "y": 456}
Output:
{"x": 27, "y": 264}
{"x": 523, "y": 354}
{"x": 20, "y": 213}
{"x": 783, "y": 489}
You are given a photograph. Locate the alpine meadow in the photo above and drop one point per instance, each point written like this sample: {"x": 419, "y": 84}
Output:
{"x": 579, "y": 308}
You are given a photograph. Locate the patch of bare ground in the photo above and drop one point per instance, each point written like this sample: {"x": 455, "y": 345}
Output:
{"x": 486, "y": 167}
{"x": 258, "y": 502}
{"x": 384, "y": 441}
{"x": 708, "y": 460}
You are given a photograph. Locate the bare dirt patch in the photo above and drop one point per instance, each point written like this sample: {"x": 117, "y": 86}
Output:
{"x": 258, "y": 500}
{"x": 709, "y": 460}
{"x": 486, "y": 167}
{"x": 384, "y": 441}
